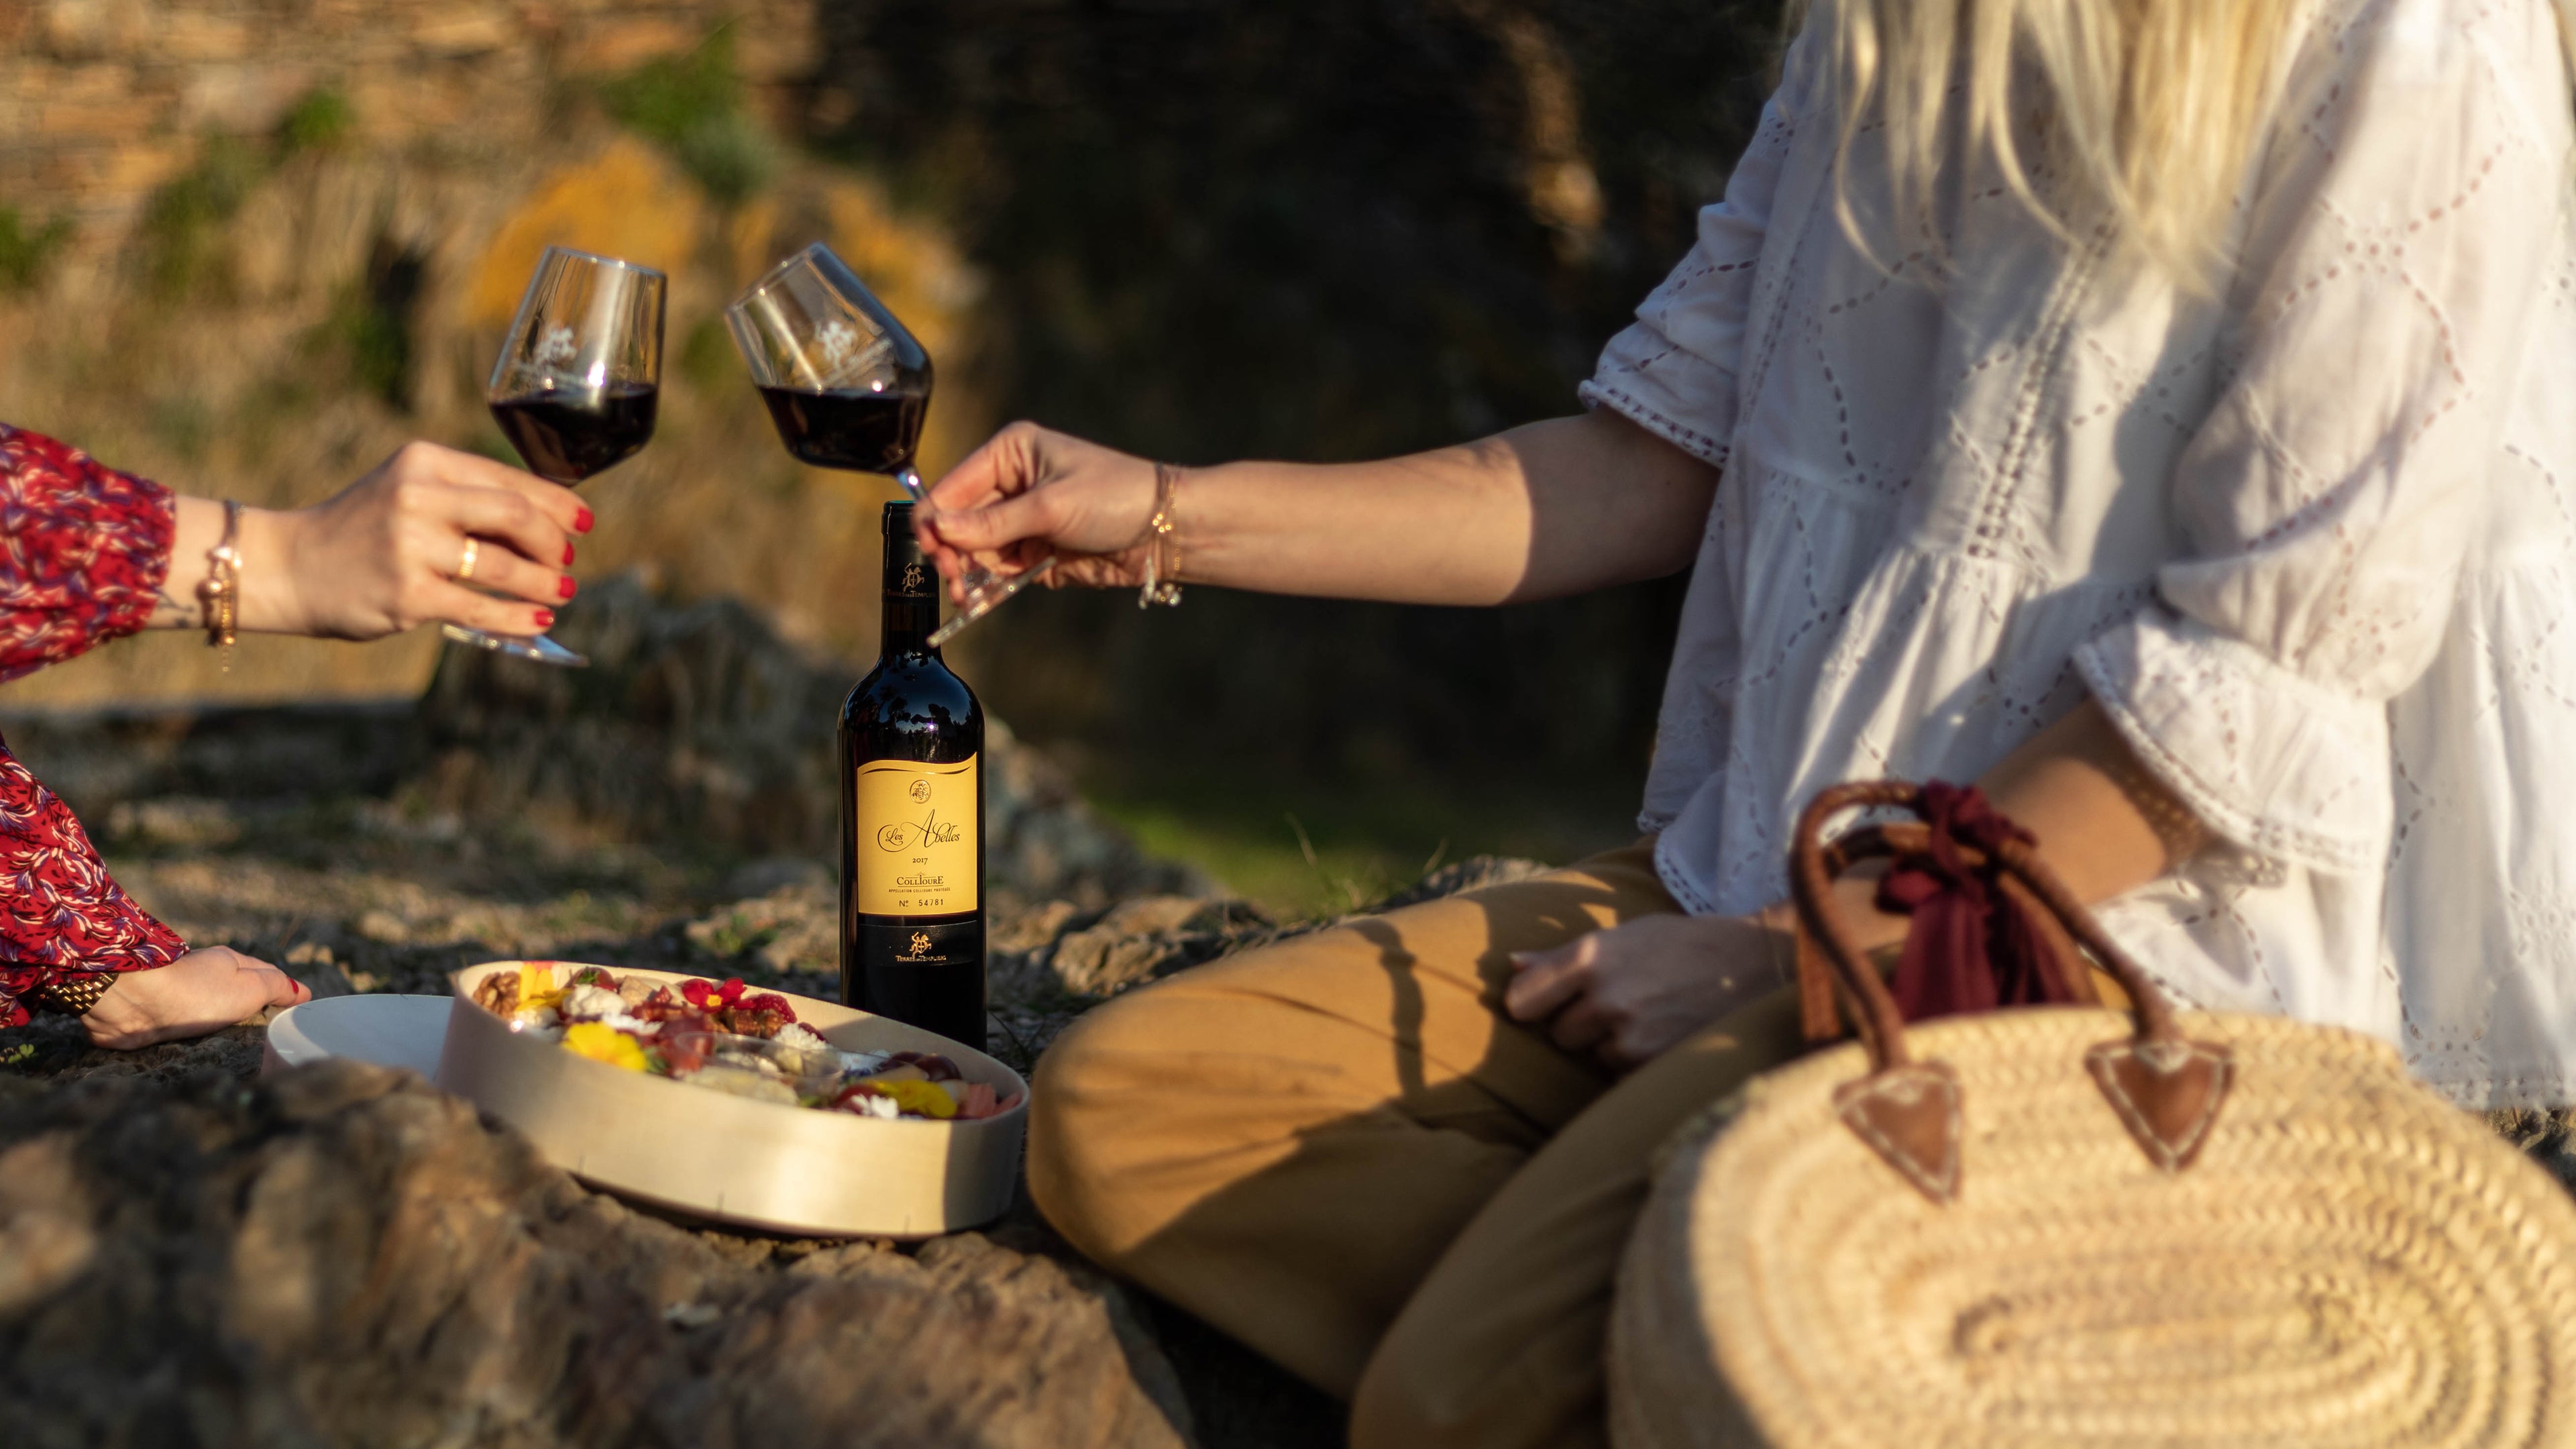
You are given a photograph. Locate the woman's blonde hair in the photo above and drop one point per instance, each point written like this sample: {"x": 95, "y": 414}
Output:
{"x": 2149, "y": 108}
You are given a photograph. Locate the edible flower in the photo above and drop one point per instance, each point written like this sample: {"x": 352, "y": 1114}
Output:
{"x": 925, "y": 1098}
{"x": 537, "y": 985}
{"x": 712, "y": 998}
{"x": 603, "y": 1043}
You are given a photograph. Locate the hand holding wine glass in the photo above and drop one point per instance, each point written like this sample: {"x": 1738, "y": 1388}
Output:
{"x": 849, "y": 387}
{"x": 380, "y": 556}
{"x": 575, "y": 388}
{"x": 1030, "y": 493}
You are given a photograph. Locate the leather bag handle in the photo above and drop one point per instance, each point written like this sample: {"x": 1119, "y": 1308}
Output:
{"x": 2165, "y": 1087}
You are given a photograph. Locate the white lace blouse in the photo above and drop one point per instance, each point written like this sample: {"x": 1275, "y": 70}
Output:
{"x": 2310, "y": 541}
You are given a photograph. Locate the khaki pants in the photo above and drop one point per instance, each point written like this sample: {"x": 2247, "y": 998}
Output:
{"x": 1341, "y": 1151}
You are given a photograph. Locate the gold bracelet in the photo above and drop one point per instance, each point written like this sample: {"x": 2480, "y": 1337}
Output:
{"x": 1162, "y": 548}
{"x": 74, "y": 996}
{"x": 221, "y": 591}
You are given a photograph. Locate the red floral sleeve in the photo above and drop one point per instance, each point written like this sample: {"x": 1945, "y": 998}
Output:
{"x": 83, "y": 553}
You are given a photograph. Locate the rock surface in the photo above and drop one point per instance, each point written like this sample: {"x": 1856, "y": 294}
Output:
{"x": 343, "y": 1255}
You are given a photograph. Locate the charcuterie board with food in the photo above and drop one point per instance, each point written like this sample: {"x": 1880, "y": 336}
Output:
{"x": 750, "y": 1107}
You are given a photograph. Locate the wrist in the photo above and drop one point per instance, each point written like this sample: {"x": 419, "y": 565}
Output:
{"x": 271, "y": 602}
{"x": 119, "y": 1008}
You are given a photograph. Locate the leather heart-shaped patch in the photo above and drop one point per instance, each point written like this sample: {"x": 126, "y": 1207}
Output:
{"x": 2167, "y": 1093}
{"x": 1909, "y": 1115}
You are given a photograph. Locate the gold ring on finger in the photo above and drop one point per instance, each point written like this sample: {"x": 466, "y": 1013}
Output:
{"x": 465, "y": 563}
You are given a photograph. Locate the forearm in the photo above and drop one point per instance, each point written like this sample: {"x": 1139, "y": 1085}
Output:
{"x": 267, "y": 597}
{"x": 1541, "y": 511}
{"x": 2104, "y": 824}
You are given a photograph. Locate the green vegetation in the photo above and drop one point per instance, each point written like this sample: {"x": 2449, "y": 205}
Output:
{"x": 181, "y": 252}
{"x": 179, "y": 223}
{"x": 321, "y": 121}
{"x": 372, "y": 330}
{"x": 26, "y": 254}
{"x": 692, "y": 106}
{"x": 1321, "y": 847}
{"x": 183, "y": 425}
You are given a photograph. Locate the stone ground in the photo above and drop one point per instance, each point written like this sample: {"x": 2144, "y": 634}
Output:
{"x": 342, "y": 1255}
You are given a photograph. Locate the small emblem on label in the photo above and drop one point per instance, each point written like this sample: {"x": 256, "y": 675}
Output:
{"x": 921, "y": 792}
{"x": 920, "y": 947}
{"x": 916, "y": 580}
{"x": 555, "y": 347}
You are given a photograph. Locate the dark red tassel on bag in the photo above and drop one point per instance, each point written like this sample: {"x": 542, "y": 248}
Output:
{"x": 1971, "y": 945}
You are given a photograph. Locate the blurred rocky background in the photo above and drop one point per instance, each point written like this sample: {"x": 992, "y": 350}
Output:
{"x": 249, "y": 247}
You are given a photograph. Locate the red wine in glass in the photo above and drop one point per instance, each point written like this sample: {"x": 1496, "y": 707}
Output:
{"x": 869, "y": 431}
{"x": 567, "y": 434}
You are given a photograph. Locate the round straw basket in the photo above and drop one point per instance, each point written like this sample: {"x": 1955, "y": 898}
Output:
{"x": 2069, "y": 1226}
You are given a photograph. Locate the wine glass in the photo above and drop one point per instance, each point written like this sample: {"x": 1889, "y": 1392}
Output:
{"x": 849, "y": 388}
{"x": 575, "y": 386}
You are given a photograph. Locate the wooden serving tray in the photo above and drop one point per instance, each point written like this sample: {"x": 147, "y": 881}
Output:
{"x": 759, "y": 1164}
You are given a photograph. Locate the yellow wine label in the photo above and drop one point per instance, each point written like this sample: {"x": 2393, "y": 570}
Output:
{"x": 915, "y": 846}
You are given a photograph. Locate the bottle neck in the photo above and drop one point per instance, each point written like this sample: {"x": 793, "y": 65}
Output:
{"x": 909, "y": 620}
{"x": 911, "y": 587}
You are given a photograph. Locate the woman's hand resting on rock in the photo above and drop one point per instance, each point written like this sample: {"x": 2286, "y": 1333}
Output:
{"x": 206, "y": 990}
{"x": 1629, "y": 993}
{"x": 385, "y": 554}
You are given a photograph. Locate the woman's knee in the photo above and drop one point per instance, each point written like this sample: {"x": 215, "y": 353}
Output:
{"x": 1085, "y": 1125}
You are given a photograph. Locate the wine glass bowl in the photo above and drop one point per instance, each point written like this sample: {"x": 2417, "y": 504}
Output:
{"x": 577, "y": 385}
{"x": 565, "y": 435}
{"x": 864, "y": 431}
{"x": 848, "y": 388}
{"x": 810, "y": 325}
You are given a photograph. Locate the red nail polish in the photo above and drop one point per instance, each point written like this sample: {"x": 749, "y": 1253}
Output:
{"x": 567, "y": 556}
{"x": 546, "y": 617}
{"x": 581, "y": 521}
{"x": 568, "y": 587}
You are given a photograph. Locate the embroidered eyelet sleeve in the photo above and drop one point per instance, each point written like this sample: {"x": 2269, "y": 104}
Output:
{"x": 84, "y": 550}
{"x": 2333, "y": 494}
{"x": 1673, "y": 371}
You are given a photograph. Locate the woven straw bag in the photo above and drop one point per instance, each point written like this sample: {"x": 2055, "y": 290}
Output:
{"x": 2069, "y": 1226}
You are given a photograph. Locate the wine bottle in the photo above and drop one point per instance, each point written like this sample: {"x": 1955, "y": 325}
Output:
{"x": 912, "y": 817}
